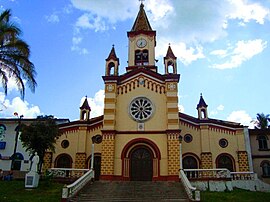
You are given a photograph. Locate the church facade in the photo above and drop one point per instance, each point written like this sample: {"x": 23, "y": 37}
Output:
{"x": 142, "y": 128}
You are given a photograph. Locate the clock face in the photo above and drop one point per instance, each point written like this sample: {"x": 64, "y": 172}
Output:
{"x": 141, "y": 43}
{"x": 141, "y": 109}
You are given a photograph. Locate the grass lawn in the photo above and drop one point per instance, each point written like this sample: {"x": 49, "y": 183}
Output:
{"x": 237, "y": 195}
{"x": 11, "y": 191}
{"x": 14, "y": 191}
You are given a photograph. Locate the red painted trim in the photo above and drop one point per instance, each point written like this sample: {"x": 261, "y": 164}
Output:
{"x": 137, "y": 141}
{"x": 121, "y": 178}
{"x": 135, "y": 33}
{"x": 141, "y": 132}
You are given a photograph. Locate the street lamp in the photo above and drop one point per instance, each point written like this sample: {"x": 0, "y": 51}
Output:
{"x": 16, "y": 138}
{"x": 180, "y": 138}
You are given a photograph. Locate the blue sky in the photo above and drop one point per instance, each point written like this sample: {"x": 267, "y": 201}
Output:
{"x": 222, "y": 47}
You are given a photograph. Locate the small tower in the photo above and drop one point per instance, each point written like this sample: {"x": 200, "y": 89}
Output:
{"x": 202, "y": 109}
{"x": 85, "y": 111}
{"x": 170, "y": 62}
{"x": 112, "y": 64}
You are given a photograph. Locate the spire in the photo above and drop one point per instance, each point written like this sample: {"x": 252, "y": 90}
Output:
{"x": 112, "y": 64}
{"x": 112, "y": 55}
{"x": 85, "y": 110}
{"x": 202, "y": 103}
{"x": 170, "y": 62}
{"x": 85, "y": 105}
{"x": 202, "y": 109}
{"x": 170, "y": 53}
{"x": 141, "y": 23}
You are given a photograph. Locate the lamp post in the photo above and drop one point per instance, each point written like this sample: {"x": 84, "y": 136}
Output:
{"x": 16, "y": 138}
{"x": 180, "y": 138}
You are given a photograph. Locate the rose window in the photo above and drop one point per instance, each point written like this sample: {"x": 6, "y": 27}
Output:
{"x": 141, "y": 109}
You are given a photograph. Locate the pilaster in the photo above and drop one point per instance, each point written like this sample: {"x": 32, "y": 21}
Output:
{"x": 173, "y": 152}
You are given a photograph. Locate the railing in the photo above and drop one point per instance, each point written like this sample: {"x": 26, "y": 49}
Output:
{"x": 207, "y": 173}
{"x": 193, "y": 195}
{"x": 70, "y": 190}
{"x": 243, "y": 176}
{"x": 67, "y": 172}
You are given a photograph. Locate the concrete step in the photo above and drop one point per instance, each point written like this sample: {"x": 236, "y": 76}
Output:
{"x": 132, "y": 191}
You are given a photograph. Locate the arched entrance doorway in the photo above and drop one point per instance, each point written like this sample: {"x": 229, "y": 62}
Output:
{"x": 141, "y": 164}
{"x": 140, "y": 160}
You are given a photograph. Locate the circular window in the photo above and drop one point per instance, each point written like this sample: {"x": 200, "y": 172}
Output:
{"x": 188, "y": 138}
{"x": 141, "y": 109}
{"x": 223, "y": 143}
{"x": 65, "y": 144}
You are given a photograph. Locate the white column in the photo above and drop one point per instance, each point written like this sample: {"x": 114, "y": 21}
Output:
{"x": 92, "y": 157}
{"x": 180, "y": 158}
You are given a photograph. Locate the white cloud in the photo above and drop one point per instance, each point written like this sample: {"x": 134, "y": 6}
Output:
{"x": 216, "y": 111}
{"x": 246, "y": 12}
{"x": 53, "y": 18}
{"x": 112, "y": 11}
{"x": 242, "y": 117}
{"x": 17, "y": 105}
{"x": 96, "y": 103}
{"x": 241, "y": 52}
{"x": 186, "y": 54}
{"x": 181, "y": 108}
{"x": 88, "y": 21}
{"x": 220, "y": 108}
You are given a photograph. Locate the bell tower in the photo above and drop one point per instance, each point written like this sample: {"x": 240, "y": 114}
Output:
{"x": 142, "y": 43}
{"x": 170, "y": 62}
{"x": 112, "y": 64}
{"x": 85, "y": 111}
{"x": 202, "y": 109}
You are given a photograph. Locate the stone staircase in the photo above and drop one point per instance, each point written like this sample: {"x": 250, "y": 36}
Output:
{"x": 132, "y": 191}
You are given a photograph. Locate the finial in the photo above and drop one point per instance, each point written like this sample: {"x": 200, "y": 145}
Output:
{"x": 141, "y": 2}
{"x": 86, "y": 97}
{"x": 169, "y": 44}
{"x": 201, "y": 94}
{"x": 113, "y": 45}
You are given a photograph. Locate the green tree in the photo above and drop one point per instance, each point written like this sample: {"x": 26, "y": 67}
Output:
{"x": 40, "y": 136}
{"x": 14, "y": 56}
{"x": 262, "y": 121}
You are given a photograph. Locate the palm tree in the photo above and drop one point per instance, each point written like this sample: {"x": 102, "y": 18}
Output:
{"x": 14, "y": 56}
{"x": 262, "y": 120}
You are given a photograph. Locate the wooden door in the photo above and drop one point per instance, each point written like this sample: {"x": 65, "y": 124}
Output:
{"x": 141, "y": 165}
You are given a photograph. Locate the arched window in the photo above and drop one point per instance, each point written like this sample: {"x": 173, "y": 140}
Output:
{"x": 141, "y": 57}
{"x": 265, "y": 168}
{"x": 262, "y": 141}
{"x": 17, "y": 161}
{"x": 63, "y": 161}
{"x": 225, "y": 161}
{"x": 189, "y": 162}
{"x": 111, "y": 68}
{"x": 170, "y": 67}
